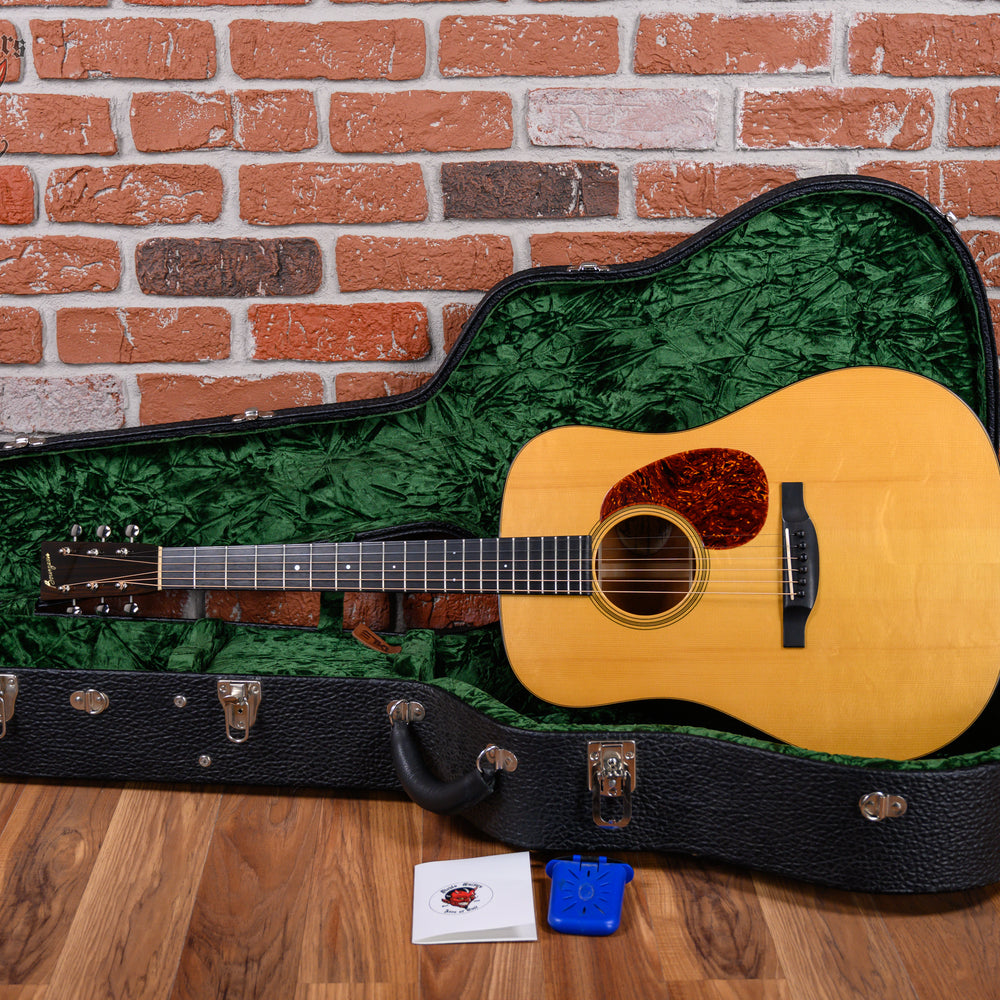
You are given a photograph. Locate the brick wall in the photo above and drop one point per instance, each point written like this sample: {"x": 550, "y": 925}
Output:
{"x": 209, "y": 207}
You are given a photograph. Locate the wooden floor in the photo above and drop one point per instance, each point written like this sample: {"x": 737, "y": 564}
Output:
{"x": 129, "y": 892}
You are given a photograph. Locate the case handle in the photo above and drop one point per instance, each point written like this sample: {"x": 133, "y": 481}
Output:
{"x": 429, "y": 792}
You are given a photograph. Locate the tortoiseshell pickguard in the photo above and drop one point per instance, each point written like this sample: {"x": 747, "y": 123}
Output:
{"x": 723, "y": 492}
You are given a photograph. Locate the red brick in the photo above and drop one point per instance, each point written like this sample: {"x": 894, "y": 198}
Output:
{"x": 685, "y": 190}
{"x": 329, "y": 50}
{"x": 528, "y": 45}
{"x": 173, "y": 121}
{"x": 10, "y": 62}
{"x": 372, "y": 385}
{"x": 287, "y": 193}
{"x": 464, "y": 263}
{"x": 367, "y": 608}
{"x": 166, "y": 398}
{"x": 20, "y": 336}
{"x": 57, "y": 123}
{"x": 832, "y": 118}
{"x": 623, "y": 118}
{"x": 963, "y": 187}
{"x": 54, "y": 3}
{"x": 140, "y": 335}
{"x": 364, "y": 331}
{"x": 454, "y": 316}
{"x": 572, "y": 249}
{"x": 17, "y": 196}
{"x": 39, "y": 265}
{"x": 985, "y": 247}
{"x": 445, "y": 611}
{"x": 291, "y": 608}
{"x": 136, "y": 195}
{"x": 517, "y": 189}
{"x": 931, "y": 44}
{"x": 270, "y": 121}
{"x": 715, "y": 43}
{"x": 61, "y": 405}
{"x": 233, "y": 266}
{"x": 432, "y": 120}
{"x": 215, "y": 3}
{"x": 974, "y": 117}
{"x": 124, "y": 48}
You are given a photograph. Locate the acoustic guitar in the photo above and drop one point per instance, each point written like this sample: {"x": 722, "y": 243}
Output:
{"x": 823, "y": 564}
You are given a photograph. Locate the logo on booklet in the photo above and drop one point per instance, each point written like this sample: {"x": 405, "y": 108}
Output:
{"x": 461, "y": 897}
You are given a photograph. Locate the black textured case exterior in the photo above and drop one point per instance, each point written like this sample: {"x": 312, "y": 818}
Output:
{"x": 759, "y": 808}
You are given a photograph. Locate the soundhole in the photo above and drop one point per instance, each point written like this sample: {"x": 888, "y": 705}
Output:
{"x": 648, "y": 565}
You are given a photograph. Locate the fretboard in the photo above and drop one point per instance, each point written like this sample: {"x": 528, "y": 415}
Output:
{"x": 534, "y": 565}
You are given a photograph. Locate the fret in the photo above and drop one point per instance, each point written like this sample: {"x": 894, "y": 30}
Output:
{"x": 475, "y": 575}
{"x": 297, "y": 571}
{"x": 396, "y": 562}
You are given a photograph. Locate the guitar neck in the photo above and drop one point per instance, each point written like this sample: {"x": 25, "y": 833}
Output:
{"x": 532, "y": 565}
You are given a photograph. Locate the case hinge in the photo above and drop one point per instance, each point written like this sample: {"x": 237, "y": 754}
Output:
{"x": 240, "y": 701}
{"x": 879, "y": 806}
{"x": 8, "y": 695}
{"x": 611, "y": 780}
{"x": 91, "y": 701}
{"x": 23, "y": 441}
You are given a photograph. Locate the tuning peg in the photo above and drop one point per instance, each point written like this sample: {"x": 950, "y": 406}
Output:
{"x": 132, "y": 532}
{"x": 75, "y": 532}
{"x": 104, "y": 532}
{"x": 103, "y": 609}
{"x": 131, "y": 608}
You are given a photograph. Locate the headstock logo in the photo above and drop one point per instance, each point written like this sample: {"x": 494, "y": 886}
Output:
{"x": 51, "y": 581}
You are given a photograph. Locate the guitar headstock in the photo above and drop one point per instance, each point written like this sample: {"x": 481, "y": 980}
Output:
{"x": 75, "y": 570}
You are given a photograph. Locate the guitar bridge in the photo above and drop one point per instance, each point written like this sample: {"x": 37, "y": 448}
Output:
{"x": 799, "y": 565}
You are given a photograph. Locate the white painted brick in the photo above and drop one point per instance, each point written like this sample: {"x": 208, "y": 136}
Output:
{"x": 61, "y": 405}
{"x": 619, "y": 118}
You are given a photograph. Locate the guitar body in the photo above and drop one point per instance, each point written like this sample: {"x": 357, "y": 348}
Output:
{"x": 902, "y": 646}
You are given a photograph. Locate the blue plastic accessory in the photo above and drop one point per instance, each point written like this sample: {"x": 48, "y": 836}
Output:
{"x": 586, "y": 894}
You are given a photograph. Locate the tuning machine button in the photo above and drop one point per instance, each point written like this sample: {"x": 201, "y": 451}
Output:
{"x": 132, "y": 532}
{"x": 131, "y": 608}
{"x": 104, "y": 532}
{"x": 75, "y": 532}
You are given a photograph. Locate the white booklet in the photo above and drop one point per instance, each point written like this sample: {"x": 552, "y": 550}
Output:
{"x": 474, "y": 899}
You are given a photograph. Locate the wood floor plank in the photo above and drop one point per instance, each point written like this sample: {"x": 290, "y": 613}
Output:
{"x": 10, "y": 792}
{"x": 729, "y": 989}
{"x": 624, "y": 965}
{"x": 357, "y": 928}
{"x": 949, "y": 943}
{"x": 246, "y": 930}
{"x": 832, "y": 945}
{"x": 714, "y": 928}
{"x": 131, "y": 924}
{"x": 356, "y": 991}
{"x": 160, "y": 893}
{"x": 493, "y": 971}
{"x": 42, "y": 888}
{"x": 23, "y": 992}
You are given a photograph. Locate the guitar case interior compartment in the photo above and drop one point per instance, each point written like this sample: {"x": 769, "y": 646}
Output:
{"x": 825, "y": 274}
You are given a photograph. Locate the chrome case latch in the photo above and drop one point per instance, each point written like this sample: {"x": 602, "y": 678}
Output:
{"x": 240, "y": 701}
{"x": 611, "y": 780}
{"x": 8, "y": 695}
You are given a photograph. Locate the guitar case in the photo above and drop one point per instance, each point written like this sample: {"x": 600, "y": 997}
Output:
{"x": 823, "y": 274}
